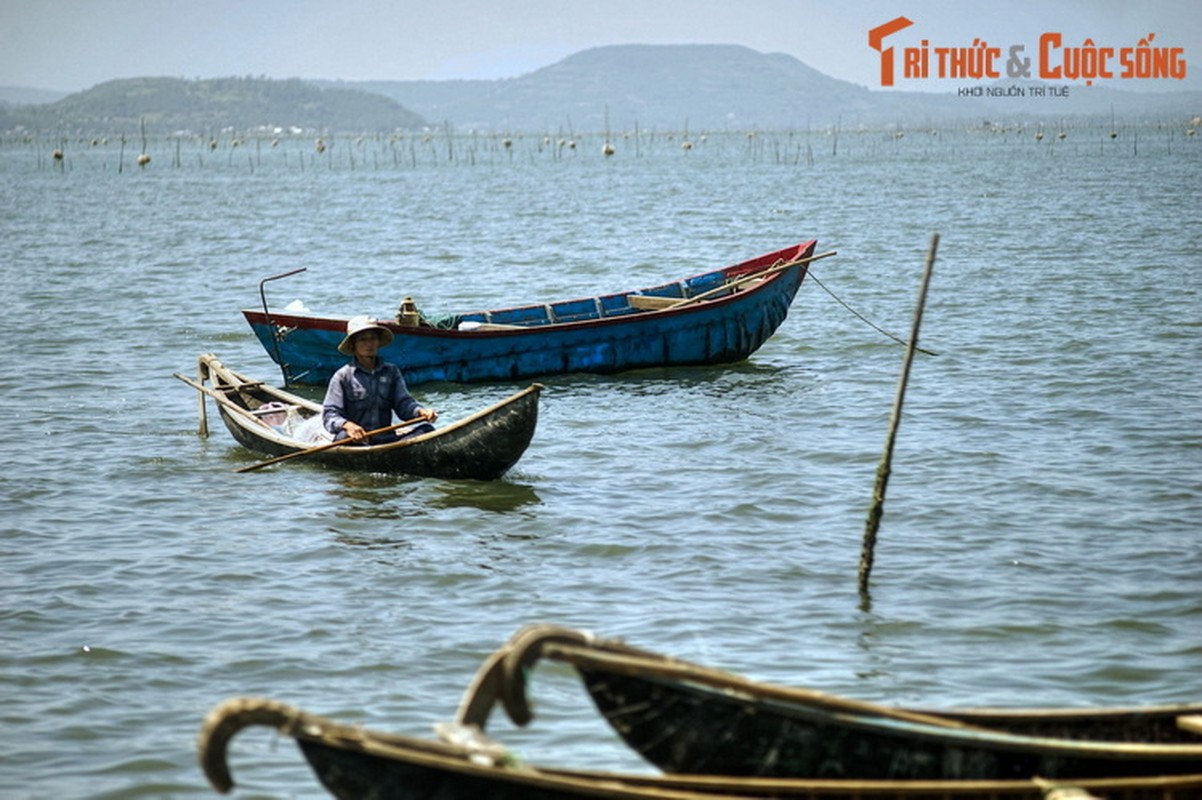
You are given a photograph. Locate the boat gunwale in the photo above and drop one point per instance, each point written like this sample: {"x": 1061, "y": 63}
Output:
{"x": 479, "y": 757}
{"x": 503, "y": 677}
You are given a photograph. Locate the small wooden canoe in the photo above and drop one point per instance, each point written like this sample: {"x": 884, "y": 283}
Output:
{"x": 356, "y": 763}
{"x": 716, "y": 317}
{"x": 686, "y": 718}
{"x": 278, "y": 423}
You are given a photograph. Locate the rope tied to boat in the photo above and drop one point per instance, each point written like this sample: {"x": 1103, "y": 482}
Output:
{"x": 864, "y": 319}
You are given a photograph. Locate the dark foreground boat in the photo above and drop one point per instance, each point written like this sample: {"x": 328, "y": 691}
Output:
{"x": 355, "y": 763}
{"x": 275, "y": 422}
{"x": 685, "y": 718}
{"x": 716, "y": 317}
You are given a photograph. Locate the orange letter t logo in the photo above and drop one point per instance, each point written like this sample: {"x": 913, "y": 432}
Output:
{"x": 876, "y": 37}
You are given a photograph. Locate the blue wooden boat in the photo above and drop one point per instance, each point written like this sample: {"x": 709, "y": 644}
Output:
{"x": 716, "y": 317}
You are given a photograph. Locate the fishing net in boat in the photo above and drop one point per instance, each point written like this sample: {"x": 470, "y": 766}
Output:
{"x": 288, "y": 420}
{"x": 308, "y": 429}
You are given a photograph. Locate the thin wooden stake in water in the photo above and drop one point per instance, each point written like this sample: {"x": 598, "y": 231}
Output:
{"x": 882, "y": 470}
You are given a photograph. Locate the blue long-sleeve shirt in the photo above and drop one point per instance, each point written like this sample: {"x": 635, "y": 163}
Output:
{"x": 367, "y": 397}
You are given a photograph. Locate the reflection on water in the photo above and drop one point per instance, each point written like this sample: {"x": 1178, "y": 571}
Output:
{"x": 656, "y": 381}
{"x": 374, "y": 495}
{"x": 502, "y": 496}
{"x": 373, "y": 543}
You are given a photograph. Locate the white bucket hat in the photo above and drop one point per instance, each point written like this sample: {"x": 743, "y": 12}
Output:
{"x": 356, "y": 325}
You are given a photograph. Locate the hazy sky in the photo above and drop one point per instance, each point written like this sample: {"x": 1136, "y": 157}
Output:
{"x": 70, "y": 45}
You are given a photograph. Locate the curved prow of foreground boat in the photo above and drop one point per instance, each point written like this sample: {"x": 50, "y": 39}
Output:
{"x": 686, "y": 718}
{"x": 355, "y": 763}
{"x": 716, "y": 317}
{"x": 280, "y": 424}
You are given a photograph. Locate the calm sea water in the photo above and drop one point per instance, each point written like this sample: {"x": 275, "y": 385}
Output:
{"x": 1040, "y": 543}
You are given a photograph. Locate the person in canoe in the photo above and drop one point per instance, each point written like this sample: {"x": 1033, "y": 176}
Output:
{"x": 363, "y": 394}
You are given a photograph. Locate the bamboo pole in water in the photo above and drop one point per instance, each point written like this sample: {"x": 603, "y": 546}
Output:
{"x": 883, "y": 469}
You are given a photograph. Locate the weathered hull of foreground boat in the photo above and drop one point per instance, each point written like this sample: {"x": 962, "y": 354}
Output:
{"x": 482, "y": 446}
{"x": 601, "y": 334}
{"x": 685, "y": 718}
{"x": 355, "y": 763}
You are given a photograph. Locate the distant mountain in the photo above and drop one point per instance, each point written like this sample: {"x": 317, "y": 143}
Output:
{"x": 712, "y": 87}
{"x": 619, "y": 87}
{"x": 205, "y": 106}
{"x": 721, "y": 87}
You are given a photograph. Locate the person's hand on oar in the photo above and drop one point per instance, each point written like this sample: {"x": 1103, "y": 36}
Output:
{"x": 354, "y": 431}
{"x": 357, "y": 433}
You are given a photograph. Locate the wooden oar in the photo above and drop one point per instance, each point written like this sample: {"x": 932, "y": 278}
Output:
{"x": 328, "y": 445}
{"x": 751, "y": 276}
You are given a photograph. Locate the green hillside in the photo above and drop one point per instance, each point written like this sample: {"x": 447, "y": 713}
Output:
{"x": 206, "y": 106}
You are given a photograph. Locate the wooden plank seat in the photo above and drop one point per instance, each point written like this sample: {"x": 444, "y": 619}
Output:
{"x": 497, "y": 326}
{"x": 650, "y": 302}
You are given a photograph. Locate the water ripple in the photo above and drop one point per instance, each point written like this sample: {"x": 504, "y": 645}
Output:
{"x": 1038, "y": 544}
